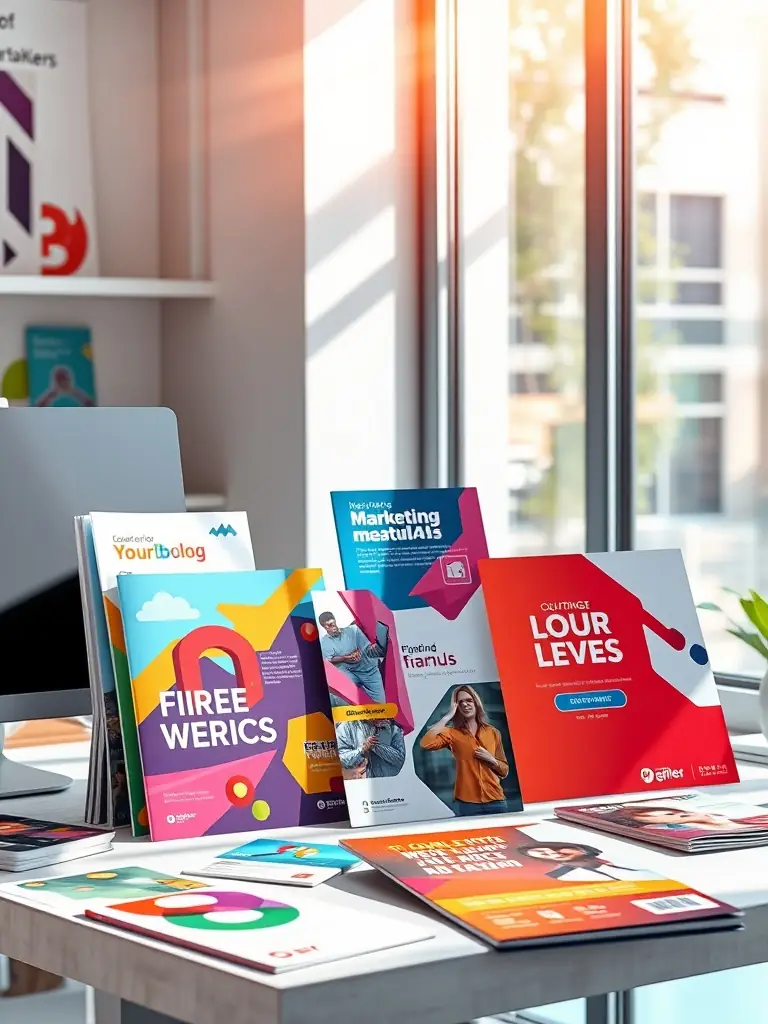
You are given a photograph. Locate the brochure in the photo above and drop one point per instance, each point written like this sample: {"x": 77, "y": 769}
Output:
{"x": 60, "y": 367}
{"x": 232, "y": 709}
{"x": 28, "y": 843}
{"x": 253, "y": 926}
{"x": 139, "y": 543}
{"x": 420, "y": 722}
{"x": 540, "y": 884}
{"x": 102, "y": 885}
{"x": 691, "y": 822}
{"x": 281, "y": 861}
{"x": 606, "y": 679}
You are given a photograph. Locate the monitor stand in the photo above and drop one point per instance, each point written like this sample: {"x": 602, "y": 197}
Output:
{"x": 18, "y": 779}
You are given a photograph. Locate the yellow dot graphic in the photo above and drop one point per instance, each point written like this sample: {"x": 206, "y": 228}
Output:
{"x": 101, "y": 874}
{"x": 260, "y": 810}
{"x": 239, "y": 790}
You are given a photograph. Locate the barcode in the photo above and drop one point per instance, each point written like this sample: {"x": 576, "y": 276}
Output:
{"x": 675, "y": 904}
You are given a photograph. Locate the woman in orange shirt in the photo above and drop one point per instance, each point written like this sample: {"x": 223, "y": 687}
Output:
{"x": 478, "y": 751}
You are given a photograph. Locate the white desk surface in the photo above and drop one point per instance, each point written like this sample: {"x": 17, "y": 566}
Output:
{"x": 450, "y": 978}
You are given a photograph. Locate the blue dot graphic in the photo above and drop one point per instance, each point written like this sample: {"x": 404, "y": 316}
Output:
{"x": 699, "y": 654}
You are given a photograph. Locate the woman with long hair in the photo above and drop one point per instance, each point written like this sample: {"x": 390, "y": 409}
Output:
{"x": 673, "y": 818}
{"x": 478, "y": 751}
{"x": 577, "y": 862}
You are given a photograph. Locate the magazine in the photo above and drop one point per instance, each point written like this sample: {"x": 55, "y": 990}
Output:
{"x": 692, "y": 822}
{"x": 605, "y": 675}
{"x": 421, "y": 727}
{"x": 541, "y": 884}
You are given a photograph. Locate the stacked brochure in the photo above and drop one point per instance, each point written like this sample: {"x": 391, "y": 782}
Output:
{"x": 231, "y": 708}
{"x": 541, "y": 884}
{"x": 29, "y": 843}
{"x": 421, "y": 727}
{"x": 258, "y": 926}
{"x": 691, "y": 822}
{"x": 280, "y": 860}
{"x": 111, "y": 545}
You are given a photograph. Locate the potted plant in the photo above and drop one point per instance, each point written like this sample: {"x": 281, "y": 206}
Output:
{"x": 754, "y": 633}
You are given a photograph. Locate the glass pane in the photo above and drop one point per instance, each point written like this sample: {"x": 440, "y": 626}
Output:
{"x": 539, "y": 322}
{"x": 702, "y": 408}
{"x": 712, "y": 999}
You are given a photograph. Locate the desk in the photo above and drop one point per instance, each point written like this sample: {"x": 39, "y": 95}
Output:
{"x": 449, "y": 979}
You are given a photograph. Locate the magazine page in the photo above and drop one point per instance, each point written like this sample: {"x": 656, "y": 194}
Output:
{"x": 685, "y": 816}
{"x": 231, "y": 703}
{"x": 420, "y": 723}
{"x": 605, "y": 675}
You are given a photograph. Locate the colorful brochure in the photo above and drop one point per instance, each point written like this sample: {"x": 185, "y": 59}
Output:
{"x": 605, "y": 676}
{"x": 28, "y": 843}
{"x": 102, "y": 885}
{"x": 691, "y": 822}
{"x": 232, "y": 709}
{"x": 140, "y": 543}
{"x": 248, "y": 925}
{"x": 540, "y": 884}
{"x": 60, "y": 367}
{"x": 420, "y": 722}
{"x": 281, "y": 861}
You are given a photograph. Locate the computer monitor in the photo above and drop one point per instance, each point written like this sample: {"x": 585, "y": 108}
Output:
{"x": 55, "y": 464}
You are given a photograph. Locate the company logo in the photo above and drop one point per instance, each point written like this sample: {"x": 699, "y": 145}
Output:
{"x": 648, "y": 775}
{"x": 327, "y": 805}
{"x": 455, "y": 569}
{"x": 223, "y": 531}
{"x": 179, "y": 819}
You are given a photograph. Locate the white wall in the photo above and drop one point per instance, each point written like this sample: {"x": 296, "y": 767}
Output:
{"x": 362, "y": 371}
{"x": 234, "y": 369}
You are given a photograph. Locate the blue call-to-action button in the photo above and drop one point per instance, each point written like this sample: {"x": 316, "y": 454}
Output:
{"x": 591, "y": 699}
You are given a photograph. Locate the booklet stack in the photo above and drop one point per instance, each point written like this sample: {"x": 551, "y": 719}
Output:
{"x": 114, "y": 545}
{"x": 690, "y": 822}
{"x": 29, "y": 843}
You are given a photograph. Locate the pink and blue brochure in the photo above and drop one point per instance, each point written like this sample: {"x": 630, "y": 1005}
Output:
{"x": 399, "y": 643}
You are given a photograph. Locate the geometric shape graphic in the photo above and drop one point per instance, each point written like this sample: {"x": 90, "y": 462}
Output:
{"x": 215, "y": 911}
{"x": 189, "y": 650}
{"x": 19, "y": 186}
{"x": 15, "y": 381}
{"x": 239, "y": 791}
{"x": 190, "y": 824}
{"x": 17, "y": 103}
{"x": 310, "y": 752}
{"x": 223, "y": 531}
{"x": 261, "y": 810}
{"x": 9, "y": 254}
{"x": 308, "y": 631}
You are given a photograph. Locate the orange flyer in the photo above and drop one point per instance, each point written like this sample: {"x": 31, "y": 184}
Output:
{"x": 606, "y": 680}
{"x": 540, "y": 884}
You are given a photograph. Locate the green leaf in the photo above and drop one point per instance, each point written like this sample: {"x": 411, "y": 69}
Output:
{"x": 709, "y": 606}
{"x": 730, "y": 590}
{"x": 752, "y": 639}
{"x": 749, "y": 610}
{"x": 761, "y": 612}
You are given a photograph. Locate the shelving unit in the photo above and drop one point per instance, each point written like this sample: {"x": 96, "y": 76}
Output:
{"x": 105, "y": 287}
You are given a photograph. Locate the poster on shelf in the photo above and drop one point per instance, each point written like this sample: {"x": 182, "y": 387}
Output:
{"x": 46, "y": 174}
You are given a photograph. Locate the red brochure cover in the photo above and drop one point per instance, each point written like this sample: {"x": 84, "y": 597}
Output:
{"x": 605, "y": 676}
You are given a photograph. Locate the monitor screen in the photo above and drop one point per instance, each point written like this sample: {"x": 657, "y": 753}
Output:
{"x": 56, "y": 464}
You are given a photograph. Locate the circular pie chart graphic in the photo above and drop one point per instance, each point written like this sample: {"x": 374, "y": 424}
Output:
{"x": 215, "y": 911}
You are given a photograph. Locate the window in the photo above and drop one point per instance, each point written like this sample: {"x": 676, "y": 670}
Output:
{"x": 702, "y": 398}
{"x": 696, "y": 230}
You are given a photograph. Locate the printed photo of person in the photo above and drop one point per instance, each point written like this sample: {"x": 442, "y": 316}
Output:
{"x": 480, "y": 761}
{"x": 350, "y": 650}
{"x": 370, "y": 748}
{"x": 577, "y": 862}
{"x": 658, "y": 818}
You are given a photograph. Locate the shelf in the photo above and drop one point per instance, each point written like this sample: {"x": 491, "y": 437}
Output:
{"x": 105, "y": 287}
{"x": 205, "y": 502}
